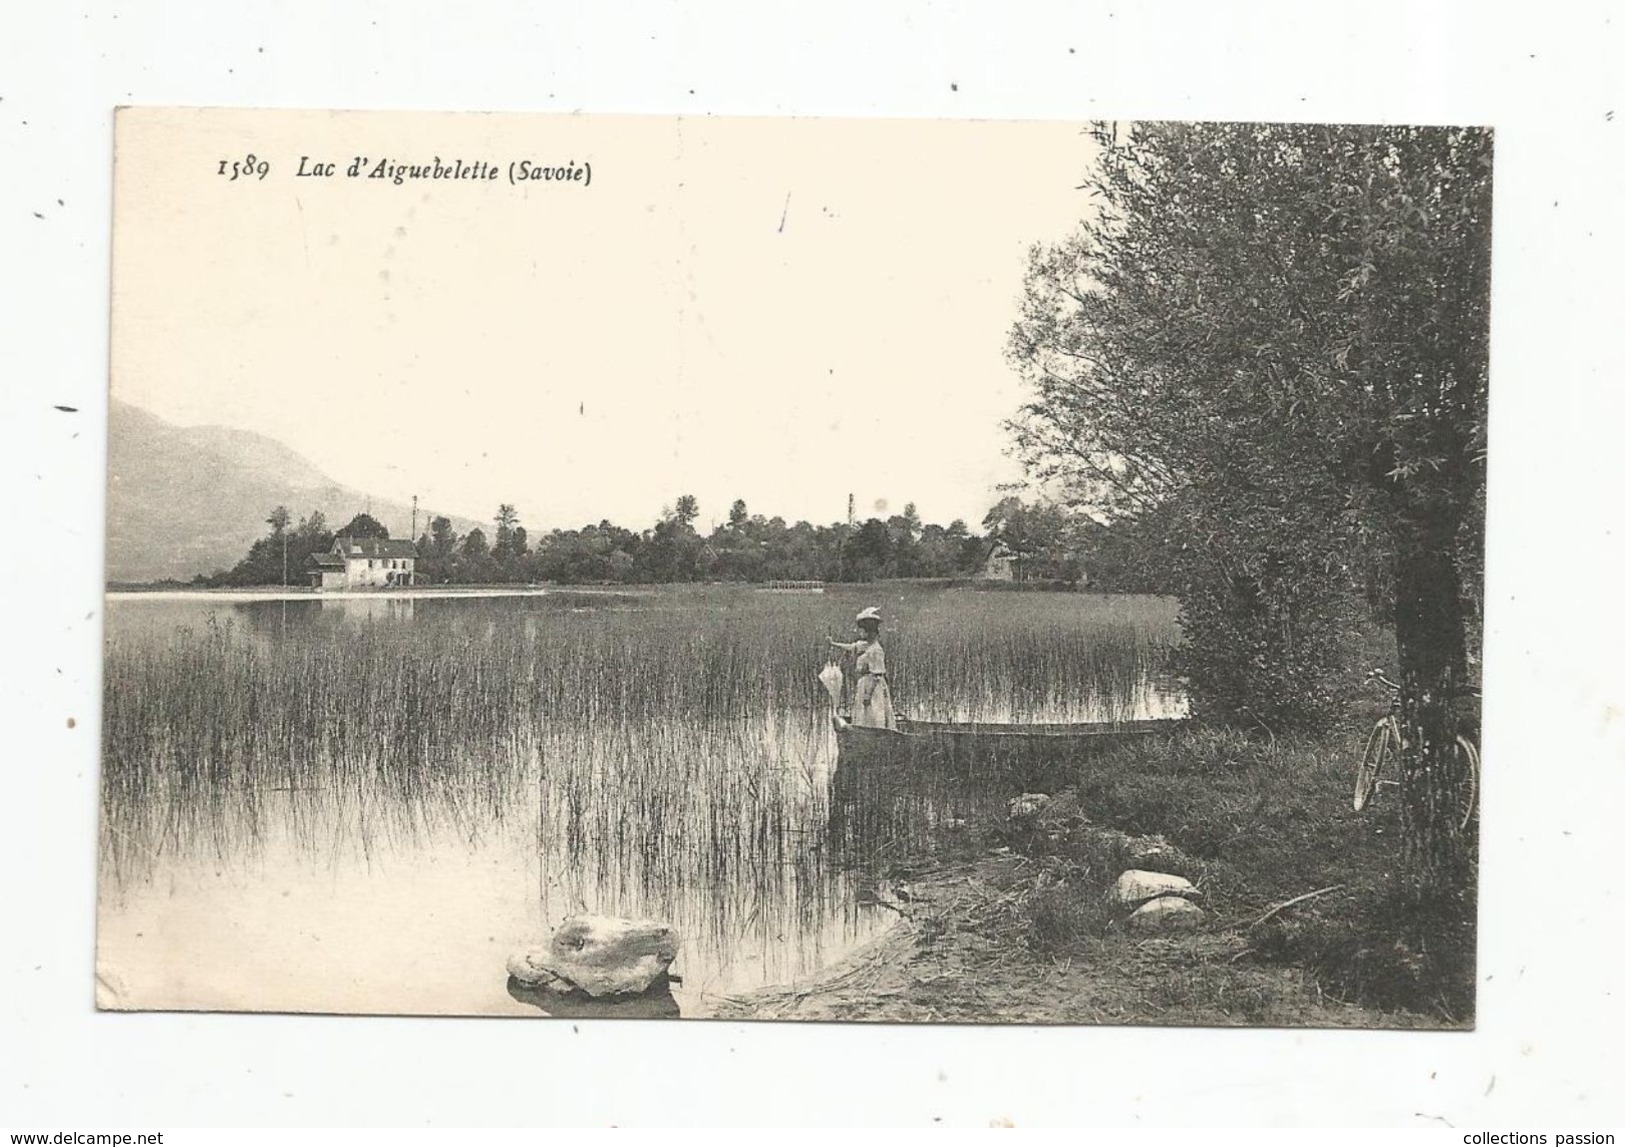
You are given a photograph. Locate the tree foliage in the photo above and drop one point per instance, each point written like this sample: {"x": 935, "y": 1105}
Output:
{"x": 1047, "y": 539}
{"x": 746, "y": 548}
{"x": 283, "y": 548}
{"x": 1274, "y": 334}
{"x": 364, "y": 526}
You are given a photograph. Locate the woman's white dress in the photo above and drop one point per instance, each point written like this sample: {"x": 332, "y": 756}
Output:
{"x": 871, "y": 699}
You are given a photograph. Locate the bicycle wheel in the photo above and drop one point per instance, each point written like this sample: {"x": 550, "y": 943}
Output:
{"x": 1376, "y": 751}
{"x": 1465, "y": 748}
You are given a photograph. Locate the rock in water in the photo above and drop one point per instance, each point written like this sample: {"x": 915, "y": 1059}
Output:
{"x": 601, "y": 956}
{"x": 1136, "y": 886}
{"x": 655, "y": 1004}
{"x": 1166, "y": 914}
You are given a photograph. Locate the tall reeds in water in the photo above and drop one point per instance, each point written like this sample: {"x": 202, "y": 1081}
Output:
{"x": 669, "y": 753}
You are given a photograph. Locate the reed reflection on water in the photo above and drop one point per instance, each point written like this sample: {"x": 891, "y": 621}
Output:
{"x": 421, "y": 770}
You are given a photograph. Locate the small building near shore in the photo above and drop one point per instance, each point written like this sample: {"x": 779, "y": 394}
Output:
{"x": 1002, "y": 564}
{"x": 364, "y": 563}
{"x": 1048, "y": 568}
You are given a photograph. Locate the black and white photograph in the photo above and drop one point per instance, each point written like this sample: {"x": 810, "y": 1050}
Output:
{"x": 935, "y": 571}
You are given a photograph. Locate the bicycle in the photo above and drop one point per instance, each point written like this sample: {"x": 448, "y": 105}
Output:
{"x": 1388, "y": 738}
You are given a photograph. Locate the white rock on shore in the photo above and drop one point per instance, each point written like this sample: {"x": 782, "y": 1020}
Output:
{"x": 1166, "y": 914}
{"x": 1136, "y": 886}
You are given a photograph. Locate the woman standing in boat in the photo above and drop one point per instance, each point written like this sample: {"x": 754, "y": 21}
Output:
{"x": 871, "y": 702}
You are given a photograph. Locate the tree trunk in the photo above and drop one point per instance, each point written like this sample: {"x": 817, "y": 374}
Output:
{"x": 1438, "y": 877}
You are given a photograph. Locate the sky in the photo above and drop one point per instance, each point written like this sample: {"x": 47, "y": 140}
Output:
{"x": 782, "y": 311}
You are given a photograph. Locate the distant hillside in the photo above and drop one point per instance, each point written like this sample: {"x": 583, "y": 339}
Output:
{"x": 185, "y": 500}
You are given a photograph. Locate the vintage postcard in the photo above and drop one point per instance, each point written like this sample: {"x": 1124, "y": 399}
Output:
{"x": 794, "y": 569}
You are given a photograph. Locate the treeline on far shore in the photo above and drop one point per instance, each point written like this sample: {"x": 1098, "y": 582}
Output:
{"x": 1041, "y": 542}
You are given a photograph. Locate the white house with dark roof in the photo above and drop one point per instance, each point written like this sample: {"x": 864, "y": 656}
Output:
{"x": 364, "y": 563}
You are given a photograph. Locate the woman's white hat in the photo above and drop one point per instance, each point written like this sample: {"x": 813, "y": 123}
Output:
{"x": 870, "y": 614}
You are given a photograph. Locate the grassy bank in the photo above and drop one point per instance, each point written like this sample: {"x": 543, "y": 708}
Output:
{"x": 1011, "y": 919}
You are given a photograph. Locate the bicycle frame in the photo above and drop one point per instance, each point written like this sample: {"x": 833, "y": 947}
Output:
{"x": 1388, "y": 738}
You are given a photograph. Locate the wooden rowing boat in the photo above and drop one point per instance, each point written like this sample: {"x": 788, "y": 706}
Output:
{"x": 986, "y": 745}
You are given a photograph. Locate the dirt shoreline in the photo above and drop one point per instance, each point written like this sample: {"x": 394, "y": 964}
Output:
{"x": 956, "y": 955}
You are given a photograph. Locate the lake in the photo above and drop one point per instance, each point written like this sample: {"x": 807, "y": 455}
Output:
{"x": 366, "y": 804}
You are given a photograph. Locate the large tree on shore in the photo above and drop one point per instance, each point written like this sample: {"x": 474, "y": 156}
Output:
{"x": 364, "y": 525}
{"x": 1276, "y": 337}
{"x": 280, "y": 557}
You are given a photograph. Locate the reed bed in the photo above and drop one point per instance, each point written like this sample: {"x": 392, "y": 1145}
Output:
{"x": 669, "y": 753}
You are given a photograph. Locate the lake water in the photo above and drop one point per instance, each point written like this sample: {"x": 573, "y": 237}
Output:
{"x": 368, "y": 804}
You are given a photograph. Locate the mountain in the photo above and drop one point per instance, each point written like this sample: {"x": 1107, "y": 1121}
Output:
{"x": 185, "y": 500}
